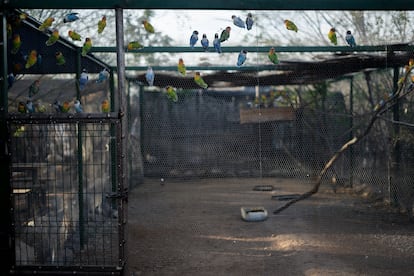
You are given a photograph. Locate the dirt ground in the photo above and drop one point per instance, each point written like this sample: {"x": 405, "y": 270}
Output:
{"x": 194, "y": 227}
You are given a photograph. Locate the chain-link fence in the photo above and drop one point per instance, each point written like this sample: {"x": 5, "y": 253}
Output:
{"x": 281, "y": 131}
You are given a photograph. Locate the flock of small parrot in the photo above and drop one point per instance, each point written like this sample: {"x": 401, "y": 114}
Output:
{"x": 242, "y": 56}
{"x": 34, "y": 58}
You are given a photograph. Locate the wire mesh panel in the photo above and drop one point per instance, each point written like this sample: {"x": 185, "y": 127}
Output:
{"x": 282, "y": 131}
{"x": 65, "y": 203}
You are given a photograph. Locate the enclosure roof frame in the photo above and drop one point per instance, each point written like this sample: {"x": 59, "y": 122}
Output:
{"x": 215, "y": 4}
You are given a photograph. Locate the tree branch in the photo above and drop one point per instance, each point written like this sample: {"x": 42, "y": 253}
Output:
{"x": 377, "y": 113}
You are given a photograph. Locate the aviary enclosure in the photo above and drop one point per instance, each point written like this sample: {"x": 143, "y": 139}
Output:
{"x": 82, "y": 126}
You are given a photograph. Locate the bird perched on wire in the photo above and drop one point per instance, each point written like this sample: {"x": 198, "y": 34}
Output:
{"x": 53, "y": 38}
{"x": 273, "y": 56}
{"x": 102, "y": 76}
{"x": 350, "y": 39}
{"x": 217, "y": 43}
{"x": 46, "y": 24}
{"x": 83, "y": 79}
{"x": 16, "y": 44}
{"x": 150, "y": 76}
{"x": 193, "y": 39}
{"x": 199, "y": 80}
{"x": 60, "y": 58}
{"x": 181, "y": 67}
{"x": 204, "y": 42}
{"x": 134, "y": 45}
{"x": 78, "y": 106}
{"x": 87, "y": 46}
{"x": 105, "y": 107}
{"x": 225, "y": 34}
{"x": 31, "y": 59}
{"x": 332, "y": 36}
{"x": 171, "y": 93}
{"x": 74, "y": 35}
{"x": 241, "y": 58}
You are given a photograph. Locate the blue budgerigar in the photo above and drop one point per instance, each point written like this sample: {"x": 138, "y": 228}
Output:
{"x": 150, "y": 76}
{"x": 249, "y": 21}
{"x": 78, "y": 106}
{"x": 70, "y": 17}
{"x": 350, "y": 39}
{"x": 204, "y": 42}
{"x": 30, "y": 106}
{"x": 238, "y": 21}
{"x": 193, "y": 39}
{"x": 241, "y": 58}
{"x": 217, "y": 43}
{"x": 83, "y": 80}
{"x": 103, "y": 75}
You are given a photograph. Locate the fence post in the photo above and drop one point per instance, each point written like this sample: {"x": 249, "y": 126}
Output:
{"x": 5, "y": 190}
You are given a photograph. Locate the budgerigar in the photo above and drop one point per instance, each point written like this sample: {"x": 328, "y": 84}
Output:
{"x": 171, "y": 93}
{"x": 40, "y": 106}
{"x": 148, "y": 27}
{"x": 199, "y": 80}
{"x": 60, "y": 58}
{"x": 290, "y": 25}
{"x": 46, "y": 24}
{"x": 10, "y": 80}
{"x": 71, "y": 17}
{"x": 273, "y": 56}
{"x": 238, "y": 21}
{"x": 53, "y": 38}
{"x": 16, "y": 43}
{"x": 249, "y": 21}
{"x": 134, "y": 45}
{"x": 101, "y": 24}
{"x": 74, "y": 35}
{"x": 83, "y": 79}
{"x": 150, "y": 76}
{"x": 105, "y": 106}
{"x": 332, "y": 36}
{"x": 34, "y": 88}
{"x": 241, "y": 58}
{"x": 217, "y": 43}
{"x": 225, "y": 34}
{"x": 65, "y": 107}
{"x": 204, "y": 42}
{"x": 181, "y": 67}
{"x": 103, "y": 75}
{"x": 350, "y": 39}
{"x": 30, "y": 108}
{"x": 78, "y": 106}
{"x": 21, "y": 107}
{"x": 31, "y": 59}
{"x": 87, "y": 46}
{"x": 193, "y": 38}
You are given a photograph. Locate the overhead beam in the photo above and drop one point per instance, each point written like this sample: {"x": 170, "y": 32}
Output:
{"x": 265, "y": 49}
{"x": 215, "y": 4}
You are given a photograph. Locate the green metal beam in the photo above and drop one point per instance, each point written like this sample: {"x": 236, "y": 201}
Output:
{"x": 265, "y": 49}
{"x": 203, "y": 68}
{"x": 216, "y": 4}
